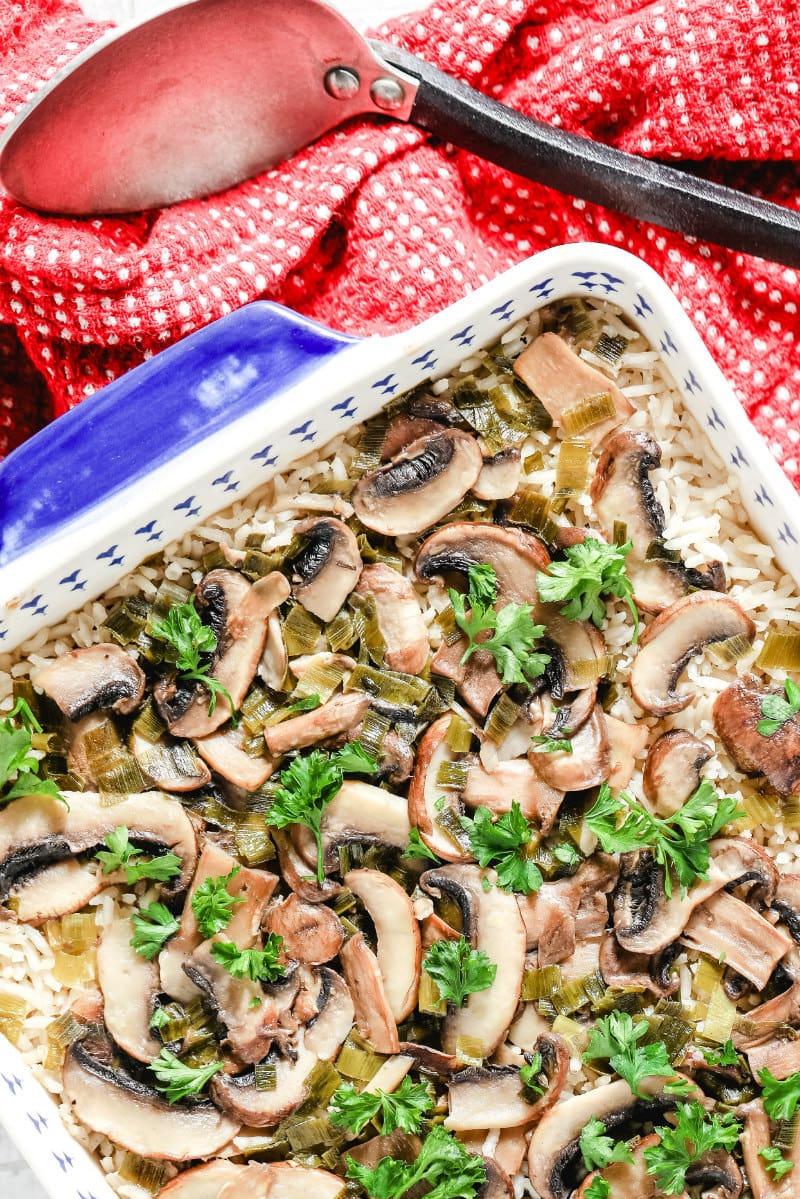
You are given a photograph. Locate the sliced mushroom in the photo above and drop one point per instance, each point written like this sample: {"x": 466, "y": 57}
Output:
{"x": 498, "y": 1185}
{"x": 399, "y": 617}
{"x": 365, "y": 981}
{"x": 403, "y": 431}
{"x": 626, "y": 742}
{"x": 736, "y": 714}
{"x": 98, "y": 676}
{"x": 716, "y": 1174}
{"x": 297, "y": 872}
{"x": 339, "y": 715}
{"x": 757, "y": 1135}
{"x": 108, "y": 1100}
{"x": 129, "y": 984}
{"x": 499, "y": 477}
{"x": 274, "y": 658}
{"x": 515, "y": 555}
{"x": 55, "y": 890}
{"x": 550, "y": 914}
{"x": 361, "y": 812}
{"x": 312, "y": 934}
{"x": 283, "y": 1180}
{"x": 492, "y": 923}
{"x": 39, "y": 830}
{"x": 327, "y": 568}
{"x": 674, "y": 637}
{"x": 646, "y": 922}
{"x": 424, "y": 792}
{"x": 333, "y": 1015}
{"x": 420, "y": 485}
{"x": 510, "y": 782}
{"x": 401, "y": 1145}
{"x": 672, "y": 770}
{"x": 224, "y": 753}
{"x": 399, "y": 951}
{"x": 627, "y": 1180}
{"x": 390, "y": 1074}
{"x": 239, "y": 620}
{"x": 589, "y": 763}
{"x": 620, "y": 968}
{"x": 573, "y": 646}
{"x": 561, "y": 380}
{"x": 490, "y": 1095}
{"x": 779, "y": 1055}
{"x": 725, "y": 928}
{"x": 476, "y": 680}
{"x": 202, "y": 1182}
{"x": 237, "y": 1093}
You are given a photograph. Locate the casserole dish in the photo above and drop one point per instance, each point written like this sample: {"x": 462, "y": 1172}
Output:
{"x": 92, "y": 496}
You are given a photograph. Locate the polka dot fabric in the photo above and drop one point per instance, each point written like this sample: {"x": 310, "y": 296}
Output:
{"x": 376, "y": 226}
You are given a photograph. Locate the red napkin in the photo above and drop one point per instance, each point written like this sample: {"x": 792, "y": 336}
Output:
{"x": 374, "y": 228}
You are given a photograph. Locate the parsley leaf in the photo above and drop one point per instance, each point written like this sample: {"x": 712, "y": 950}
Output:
{"x": 306, "y": 704}
{"x": 615, "y": 1038}
{"x": 694, "y": 1134}
{"x": 418, "y": 849}
{"x": 457, "y": 970}
{"x": 177, "y": 1080}
{"x": 724, "y": 1056}
{"x": 183, "y": 629}
{"x": 212, "y": 905}
{"x": 780, "y": 1096}
{"x": 775, "y": 1162}
{"x": 443, "y": 1163}
{"x": 778, "y": 710}
{"x": 309, "y": 784}
{"x": 159, "y": 1018}
{"x": 502, "y": 843}
{"x": 259, "y": 965}
{"x": 513, "y": 632}
{"x": 19, "y": 769}
{"x": 154, "y": 925}
{"x": 590, "y": 570}
{"x": 679, "y": 843}
{"x": 530, "y": 1073}
{"x": 405, "y": 1108}
{"x": 598, "y": 1189}
{"x": 599, "y": 1150}
{"x": 567, "y": 854}
{"x": 119, "y": 855}
{"x": 551, "y": 745}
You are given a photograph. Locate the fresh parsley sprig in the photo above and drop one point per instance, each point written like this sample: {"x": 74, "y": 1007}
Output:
{"x": 259, "y": 965}
{"x": 418, "y": 849}
{"x": 183, "y": 629}
{"x": 458, "y": 970}
{"x": 529, "y": 1076}
{"x": 616, "y": 1038}
{"x": 695, "y": 1133}
{"x": 597, "y": 1189}
{"x": 153, "y": 926}
{"x": 513, "y": 632}
{"x": 119, "y": 854}
{"x": 19, "y": 768}
{"x": 590, "y": 570}
{"x": 177, "y": 1080}
{"x": 780, "y": 1095}
{"x": 404, "y": 1108}
{"x": 503, "y": 844}
{"x": 600, "y": 1150}
{"x": 775, "y": 1162}
{"x": 443, "y": 1163}
{"x": 213, "y": 905}
{"x": 679, "y": 843}
{"x": 777, "y": 711}
{"x": 725, "y": 1055}
{"x": 551, "y": 745}
{"x": 309, "y": 784}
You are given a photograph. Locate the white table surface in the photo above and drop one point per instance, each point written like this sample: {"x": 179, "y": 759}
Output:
{"x": 16, "y": 1180}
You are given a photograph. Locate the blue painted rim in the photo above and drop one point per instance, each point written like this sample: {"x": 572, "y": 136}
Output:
{"x": 148, "y": 417}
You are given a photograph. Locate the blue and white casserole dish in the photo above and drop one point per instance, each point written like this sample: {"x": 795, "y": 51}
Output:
{"x": 224, "y": 436}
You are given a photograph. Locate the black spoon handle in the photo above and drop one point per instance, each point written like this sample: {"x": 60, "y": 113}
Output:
{"x": 635, "y": 186}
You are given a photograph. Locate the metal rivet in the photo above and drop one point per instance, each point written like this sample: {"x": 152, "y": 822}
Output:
{"x": 387, "y": 94}
{"x": 342, "y": 83}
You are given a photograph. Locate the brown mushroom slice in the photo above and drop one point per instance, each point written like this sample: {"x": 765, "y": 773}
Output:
{"x": 561, "y": 380}
{"x": 419, "y": 485}
{"x": 97, "y": 676}
{"x": 736, "y": 715}
{"x": 498, "y": 1184}
{"x": 636, "y": 971}
{"x": 513, "y": 781}
{"x": 757, "y": 1135}
{"x": 627, "y": 1180}
{"x": 492, "y": 923}
{"x": 327, "y": 568}
{"x": 274, "y": 658}
{"x": 571, "y": 645}
{"x": 476, "y": 680}
{"x": 129, "y": 984}
{"x": 373, "y": 1013}
{"x": 312, "y": 934}
{"x": 238, "y": 1095}
{"x": 645, "y": 921}
{"x": 240, "y": 621}
{"x": 284, "y": 1180}
{"x": 588, "y": 765}
{"x": 778, "y": 1055}
{"x": 424, "y": 792}
{"x": 59, "y": 889}
{"x": 399, "y": 950}
{"x": 515, "y": 555}
{"x": 362, "y": 812}
{"x": 37, "y": 831}
{"x": 550, "y": 914}
{"x": 676, "y": 635}
{"x": 726, "y": 929}
{"x": 202, "y": 1182}
{"x": 626, "y": 742}
{"x": 555, "y": 1144}
{"x": 297, "y": 872}
{"x": 499, "y": 477}
{"x": 224, "y": 753}
{"x": 672, "y": 770}
{"x": 106, "y": 1099}
{"x": 510, "y": 1149}
{"x": 339, "y": 715}
{"x": 399, "y": 617}
{"x": 172, "y": 768}
{"x": 491, "y": 1095}
{"x": 333, "y": 1019}
{"x": 403, "y": 430}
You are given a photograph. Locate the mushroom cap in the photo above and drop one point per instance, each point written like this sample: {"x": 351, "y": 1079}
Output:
{"x": 97, "y": 676}
{"x": 621, "y": 488}
{"x": 499, "y": 477}
{"x": 587, "y": 765}
{"x": 328, "y": 567}
{"x": 516, "y": 556}
{"x": 420, "y": 485}
{"x": 736, "y": 714}
{"x": 399, "y": 615}
{"x": 399, "y": 950}
{"x": 672, "y": 769}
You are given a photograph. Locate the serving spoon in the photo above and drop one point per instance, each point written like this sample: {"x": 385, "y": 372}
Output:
{"x": 211, "y": 92}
